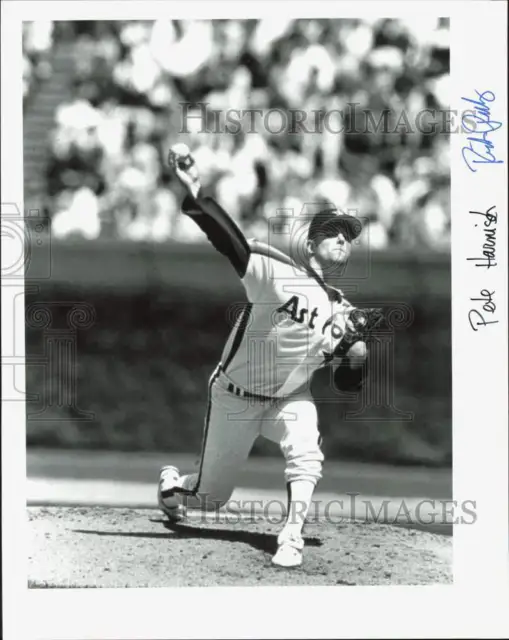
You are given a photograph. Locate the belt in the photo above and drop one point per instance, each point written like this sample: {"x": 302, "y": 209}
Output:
{"x": 238, "y": 391}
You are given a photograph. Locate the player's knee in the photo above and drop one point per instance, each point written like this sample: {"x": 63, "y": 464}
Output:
{"x": 220, "y": 499}
{"x": 214, "y": 501}
{"x": 304, "y": 469}
{"x": 294, "y": 446}
{"x": 303, "y": 462}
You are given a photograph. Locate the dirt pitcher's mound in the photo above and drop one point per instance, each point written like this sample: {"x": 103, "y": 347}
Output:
{"x": 105, "y": 547}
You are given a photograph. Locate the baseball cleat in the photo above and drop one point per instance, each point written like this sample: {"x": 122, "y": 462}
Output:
{"x": 167, "y": 498}
{"x": 289, "y": 552}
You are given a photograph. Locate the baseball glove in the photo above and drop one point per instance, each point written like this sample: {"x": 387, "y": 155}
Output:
{"x": 365, "y": 321}
{"x": 360, "y": 327}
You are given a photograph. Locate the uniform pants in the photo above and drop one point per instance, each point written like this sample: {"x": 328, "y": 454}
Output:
{"x": 233, "y": 423}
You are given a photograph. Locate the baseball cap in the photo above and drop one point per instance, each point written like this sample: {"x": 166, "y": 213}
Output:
{"x": 329, "y": 219}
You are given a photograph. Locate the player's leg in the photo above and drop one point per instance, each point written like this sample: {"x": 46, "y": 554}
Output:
{"x": 230, "y": 430}
{"x": 294, "y": 425}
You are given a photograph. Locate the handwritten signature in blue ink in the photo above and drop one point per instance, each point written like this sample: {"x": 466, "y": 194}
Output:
{"x": 480, "y": 149}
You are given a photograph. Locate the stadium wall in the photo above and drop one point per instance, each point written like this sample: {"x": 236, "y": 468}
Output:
{"x": 121, "y": 339}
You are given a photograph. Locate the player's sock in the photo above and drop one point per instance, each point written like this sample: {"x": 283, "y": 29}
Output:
{"x": 300, "y": 495}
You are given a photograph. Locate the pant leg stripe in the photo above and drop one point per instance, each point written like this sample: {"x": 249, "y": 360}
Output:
{"x": 214, "y": 377}
{"x": 239, "y": 335}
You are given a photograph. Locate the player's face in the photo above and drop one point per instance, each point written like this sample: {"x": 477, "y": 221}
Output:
{"x": 334, "y": 248}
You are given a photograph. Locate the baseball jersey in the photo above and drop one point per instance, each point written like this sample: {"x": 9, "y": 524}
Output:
{"x": 292, "y": 321}
{"x": 289, "y": 328}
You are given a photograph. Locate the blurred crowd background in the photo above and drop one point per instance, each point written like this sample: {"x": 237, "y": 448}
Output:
{"x": 104, "y": 100}
{"x": 130, "y": 84}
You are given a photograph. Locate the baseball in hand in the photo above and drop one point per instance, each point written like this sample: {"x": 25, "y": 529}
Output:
{"x": 181, "y": 150}
{"x": 180, "y": 154}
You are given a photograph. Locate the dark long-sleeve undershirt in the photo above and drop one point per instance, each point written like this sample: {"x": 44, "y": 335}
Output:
{"x": 223, "y": 233}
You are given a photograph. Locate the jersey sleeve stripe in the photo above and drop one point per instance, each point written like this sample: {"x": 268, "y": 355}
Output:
{"x": 237, "y": 340}
{"x": 266, "y": 250}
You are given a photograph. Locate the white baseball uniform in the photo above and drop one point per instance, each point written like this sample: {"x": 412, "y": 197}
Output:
{"x": 289, "y": 327}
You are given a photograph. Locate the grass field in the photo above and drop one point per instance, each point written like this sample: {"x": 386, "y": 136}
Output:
{"x": 121, "y": 547}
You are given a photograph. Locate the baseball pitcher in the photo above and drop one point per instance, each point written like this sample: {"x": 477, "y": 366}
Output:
{"x": 292, "y": 324}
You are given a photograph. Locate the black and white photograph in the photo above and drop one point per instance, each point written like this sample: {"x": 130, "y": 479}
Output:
{"x": 235, "y": 345}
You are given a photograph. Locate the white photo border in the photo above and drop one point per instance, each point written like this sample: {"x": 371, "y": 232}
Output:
{"x": 480, "y": 454}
